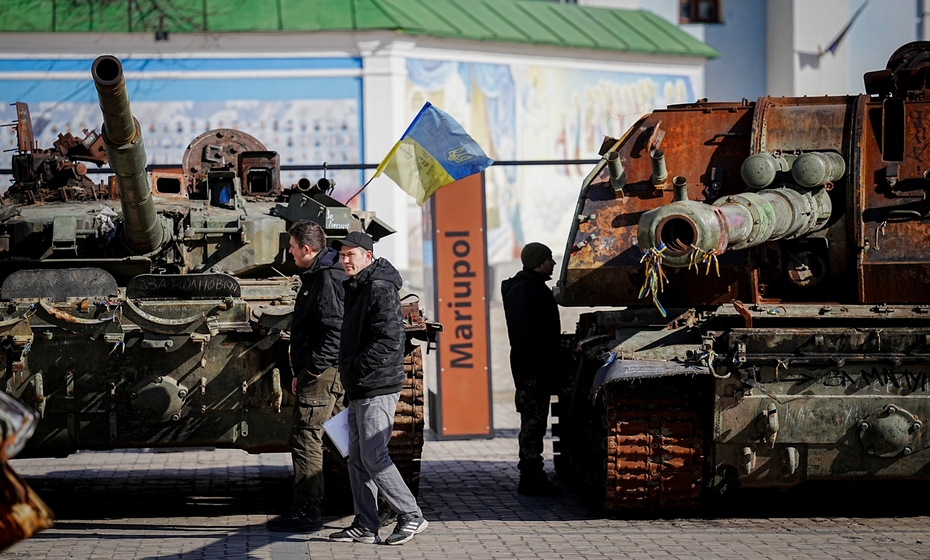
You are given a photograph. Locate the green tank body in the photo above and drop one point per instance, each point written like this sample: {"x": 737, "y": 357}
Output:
{"x": 153, "y": 309}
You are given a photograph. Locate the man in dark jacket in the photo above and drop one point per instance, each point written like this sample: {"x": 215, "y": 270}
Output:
{"x": 315, "y": 332}
{"x": 534, "y": 329}
{"x": 371, "y": 362}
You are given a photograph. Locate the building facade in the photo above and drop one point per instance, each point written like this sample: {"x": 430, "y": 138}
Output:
{"x": 791, "y": 47}
{"x": 529, "y": 80}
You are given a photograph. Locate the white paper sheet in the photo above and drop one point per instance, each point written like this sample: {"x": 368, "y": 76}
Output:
{"x": 337, "y": 428}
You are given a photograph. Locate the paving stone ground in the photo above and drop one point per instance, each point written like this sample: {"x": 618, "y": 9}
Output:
{"x": 213, "y": 504}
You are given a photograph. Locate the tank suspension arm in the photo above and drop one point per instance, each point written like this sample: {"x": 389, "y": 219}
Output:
{"x": 122, "y": 135}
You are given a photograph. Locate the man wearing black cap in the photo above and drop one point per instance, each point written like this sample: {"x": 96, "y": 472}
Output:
{"x": 314, "y": 354}
{"x": 534, "y": 329}
{"x": 371, "y": 363}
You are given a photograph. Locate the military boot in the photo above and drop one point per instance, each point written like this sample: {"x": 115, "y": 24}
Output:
{"x": 537, "y": 484}
{"x": 308, "y": 517}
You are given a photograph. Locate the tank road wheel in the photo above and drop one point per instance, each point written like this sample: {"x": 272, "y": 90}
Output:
{"x": 654, "y": 445}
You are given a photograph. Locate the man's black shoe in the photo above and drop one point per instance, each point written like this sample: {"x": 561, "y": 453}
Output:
{"x": 300, "y": 520}
{"x": 408, "y": 525}
{"x": 539, "y": 485}
{"x": 356, "y": 533}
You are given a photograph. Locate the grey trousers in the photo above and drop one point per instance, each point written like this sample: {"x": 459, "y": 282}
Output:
{"x": 371, "y": 470}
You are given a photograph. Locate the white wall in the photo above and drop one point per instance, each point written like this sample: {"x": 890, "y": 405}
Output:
{"x": 740, "y": 72}
{"x": 883, "y": 26}
{"x": 800, "y": 32}
{"x": 779, "y": 48}
{"x": 815, "y": 25}
{"x": 383, "y": 92}
{"x": 773, "y": 47}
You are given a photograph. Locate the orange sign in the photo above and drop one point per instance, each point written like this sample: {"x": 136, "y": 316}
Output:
{"x": 463, "y": 395}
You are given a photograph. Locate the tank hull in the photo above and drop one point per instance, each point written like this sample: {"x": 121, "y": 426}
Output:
{"x": 150, "y": 372}
{"x": 803, "y": 395}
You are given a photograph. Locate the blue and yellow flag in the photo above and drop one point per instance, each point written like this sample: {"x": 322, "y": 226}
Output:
{"x": 433, "y": 152}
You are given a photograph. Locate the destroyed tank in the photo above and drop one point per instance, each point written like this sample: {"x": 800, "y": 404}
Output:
{"x": 770, "y": 263}
{"x": 153, "y": 309}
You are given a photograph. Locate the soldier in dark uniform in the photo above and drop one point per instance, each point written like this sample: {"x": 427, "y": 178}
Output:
{"x": 536, "y": 355}
{"x": 315, "y": 333}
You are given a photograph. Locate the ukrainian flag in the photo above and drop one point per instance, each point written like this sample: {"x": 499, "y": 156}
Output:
{"x": 433, "y": 152}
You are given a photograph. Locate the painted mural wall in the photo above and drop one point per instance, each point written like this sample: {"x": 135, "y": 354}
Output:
{"x": 306, "y": 109}
{"x": 529, "y": 112}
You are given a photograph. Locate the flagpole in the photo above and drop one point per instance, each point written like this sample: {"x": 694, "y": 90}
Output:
{"x": 378, "y": 171}
{"x": 358, "y": 192}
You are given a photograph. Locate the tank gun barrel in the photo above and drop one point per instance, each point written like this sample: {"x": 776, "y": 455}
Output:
{"x": 732, "y": 222}
{"x": 122, "y": 137}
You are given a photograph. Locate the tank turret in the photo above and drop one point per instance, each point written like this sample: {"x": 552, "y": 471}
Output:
{"x": 143, "y": 232}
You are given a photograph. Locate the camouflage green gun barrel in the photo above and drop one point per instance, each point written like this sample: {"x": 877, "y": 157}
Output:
{"x": 142, "y": 231}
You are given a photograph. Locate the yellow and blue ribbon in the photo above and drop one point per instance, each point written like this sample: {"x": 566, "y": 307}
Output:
{"x": 655, "y": 276}
{"x": 700, "y": 256}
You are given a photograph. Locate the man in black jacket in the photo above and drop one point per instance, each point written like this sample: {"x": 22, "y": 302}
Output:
{"x": 534, "y": 329}
{"x": 371, "y": 362}
{"x": 315, "y": 332}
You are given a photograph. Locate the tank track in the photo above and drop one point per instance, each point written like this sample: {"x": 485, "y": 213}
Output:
{"x": 654, "y": 448}
{"x": 406, "y": 446}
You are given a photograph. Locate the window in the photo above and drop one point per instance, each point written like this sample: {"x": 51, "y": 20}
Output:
{"x": 700, "y": 11}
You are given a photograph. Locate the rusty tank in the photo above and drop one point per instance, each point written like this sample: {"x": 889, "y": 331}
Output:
{"x": 152, "y": 309}
{"x": 769, "y": 263}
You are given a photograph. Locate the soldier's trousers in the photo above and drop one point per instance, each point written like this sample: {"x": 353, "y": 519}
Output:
{"x": 533, "y": 406}
{"x": 317, "y": 401}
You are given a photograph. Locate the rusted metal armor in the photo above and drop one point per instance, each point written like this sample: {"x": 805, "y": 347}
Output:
{"x": 769, "y": 257}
